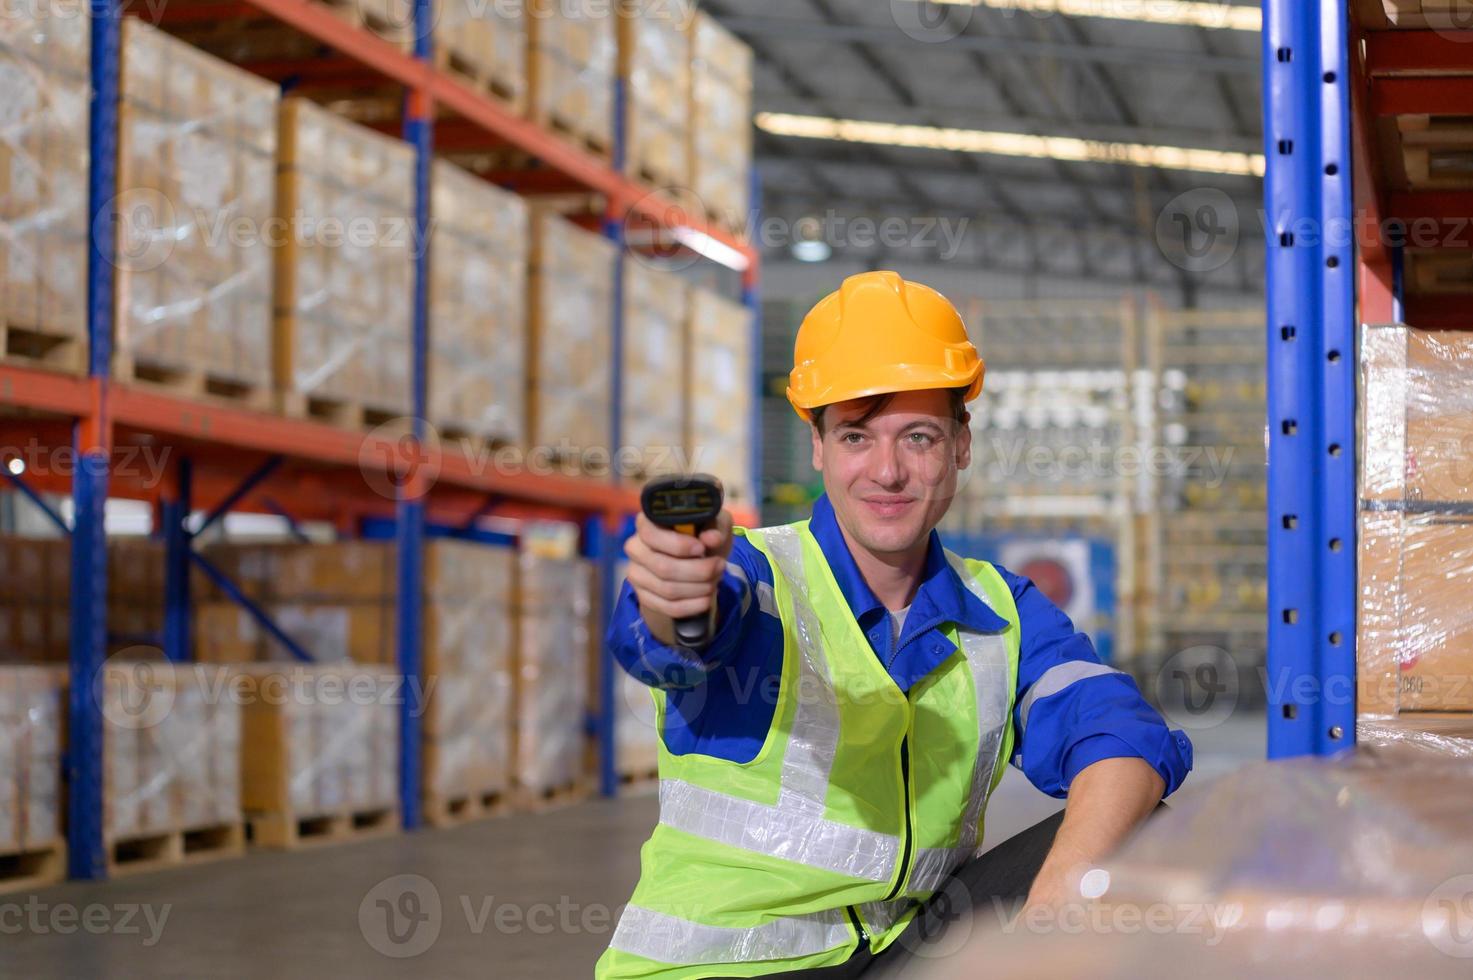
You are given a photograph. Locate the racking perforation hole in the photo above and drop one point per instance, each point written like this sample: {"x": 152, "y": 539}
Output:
{"x": 1335, "y": 450}
{"x": 1286, "y": 239}
{"x": 1291, "y": 616}
{"x": 1333, "y": 357}
{"x": 1336, "y": 638}
{"x": 1287, "y": 333}
{"x": 1285, "y": 55}
{"x": 1331, "y": 169}
{"x": 1336, "y": 545}
{"x": 1332, "y": 262}
{"x": 1290, "y": 427}
{"x": 1291, "y": 521}
{"x": 1291, "y": 711}
{"x": 1329, "y": 78}
{"x": 1286, "y": 147}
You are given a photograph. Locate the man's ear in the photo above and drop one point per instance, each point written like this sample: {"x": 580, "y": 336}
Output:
{"x": 964, "y": 442}
{"x": 817, "y": 447}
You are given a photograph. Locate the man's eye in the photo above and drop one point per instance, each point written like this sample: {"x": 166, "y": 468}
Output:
{"x": 921, "y": 439}
{"x": 850, "y": 438}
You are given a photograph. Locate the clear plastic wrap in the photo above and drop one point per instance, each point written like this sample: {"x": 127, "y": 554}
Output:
{"x": 655, "y": 61}
{"x": 572, "y": 304}
{"x": 1449, "y": 736}
{"x": 44, "y": 59}
{"x": 171, "y": 748}
{"x": 654, "y": 367}
{"x": 485, "y": 43}
{"x": 470, "y": 640}
{"x": 1353, "y": 866}
{"x": 719, "y": 428}
{"x": 196, "y": 166}
{"x": 1415, "y": 642}
{"x": 721, "y": 108}
{"x": 319, "y": 740}
{"x": 344, "y": 279}
{"x": 555, "y": 614}
{"x": 478, "y": 308}
{"x": 572, "y": 57}
{"x": 30, "y": 758}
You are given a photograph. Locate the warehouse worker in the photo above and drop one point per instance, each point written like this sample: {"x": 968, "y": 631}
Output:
{"x": 826, "y": 758}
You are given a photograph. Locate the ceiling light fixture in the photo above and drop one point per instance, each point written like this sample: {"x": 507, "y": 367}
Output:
{"x": 1186, "y": 13}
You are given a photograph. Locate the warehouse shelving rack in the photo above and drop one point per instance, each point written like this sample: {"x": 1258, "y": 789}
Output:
{"x": 228, "y": 458}
{"x": 1332, "y": 70}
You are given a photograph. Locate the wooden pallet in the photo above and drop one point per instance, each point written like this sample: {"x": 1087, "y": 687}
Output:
{"x": 640, "y": 777}
{"x": 374, "y": 17}
{"x": 527, "y": 799}
{"x": 595, "y": 144}
{"x": 174, "y": 848}
{"x": 290, "y": 831}
{"x": 340, "y": 412}
{"x": 485, "y": 79}
{"x": 30, "y": 869}
{"x": 38, "y": 347}
{"x": 452, "y": 811}
{"x": 194, "y": 383}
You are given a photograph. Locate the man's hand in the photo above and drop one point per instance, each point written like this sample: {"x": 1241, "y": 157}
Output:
{"x": 675, "y": 575}
{"x": 1107, "y": 801}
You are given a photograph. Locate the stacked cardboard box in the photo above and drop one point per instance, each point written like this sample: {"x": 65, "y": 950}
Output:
{"x": 485, "y": 44}
{"x": 655, "y": 64}
{"x": 572, "y": 52}
{"x": 196, "y": 160}
{"x": 319, "y": 740}
{"x": 653, "y": 418}
{"x": 636, "y": 727}
{"x": 721, "y": 137}
{"x": 719, "y": 428}
{"x": 344, "y": 278}
{"x": 478, "y": 308}
{"x": 44, "y": 59}
{"x": 554, "y": 615}
{"x": 1415, "y": 643}
{"x": 30, "y": 758}
{"x": 171, "y": 748}
{"x": 571, "y": 306}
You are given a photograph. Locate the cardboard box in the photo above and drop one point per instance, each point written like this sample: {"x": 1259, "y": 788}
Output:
{"x": 719, "y": 423}
{"x": 654, "y": 357}
{"x": 721, "y": 113}
{"x": 655, "y": 63}
{"x": 571, "y": 60}
{"x": 31, "y": 713}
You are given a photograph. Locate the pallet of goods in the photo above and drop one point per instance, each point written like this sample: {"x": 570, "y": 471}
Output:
{"x": 321, "y": 753}
{"x": 718, "y": 436}
{"x": 171, "y": 765}
{"x": 197, "y": 161}
{"x": 485, "y": 45}
{"x": 344, "y": 275}
{"x": 44, "y": 241}
{"x": 32, "y": 849}
{"x": 571, "y": 309}
{"x": 655, "y": 64}
{"x": 654, "y": 416}
{"x": 572, "y": 55}
{"x": 554, "y": 617}
{"x": 636, "y": 727}
{"x": 478, "y": 310}
{"x": 720, "y": 143}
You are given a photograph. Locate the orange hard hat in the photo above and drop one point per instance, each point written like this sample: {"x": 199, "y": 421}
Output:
{"x": 878, "y": 334}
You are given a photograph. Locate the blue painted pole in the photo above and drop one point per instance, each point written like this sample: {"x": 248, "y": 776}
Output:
{"x": 177, "y": 544}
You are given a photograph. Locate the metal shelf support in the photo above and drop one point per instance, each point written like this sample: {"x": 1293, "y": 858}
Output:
{"x": 1311, "y": 379}
{"x": 177, "y": 545}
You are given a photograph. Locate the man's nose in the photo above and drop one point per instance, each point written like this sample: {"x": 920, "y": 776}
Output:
{"x": 886, "y": 466}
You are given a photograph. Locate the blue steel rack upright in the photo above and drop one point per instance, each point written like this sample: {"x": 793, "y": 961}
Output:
{"x": 1311, "y": 378}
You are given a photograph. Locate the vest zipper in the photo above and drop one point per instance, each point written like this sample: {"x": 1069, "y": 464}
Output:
{"x": 906, "y": 845}
{"x": 859, "y": 928}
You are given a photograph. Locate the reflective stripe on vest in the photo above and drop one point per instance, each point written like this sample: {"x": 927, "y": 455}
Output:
{"x": 794, "y": 829}
{"x": 666, "y": 938}
{"x": 987, "y": 656}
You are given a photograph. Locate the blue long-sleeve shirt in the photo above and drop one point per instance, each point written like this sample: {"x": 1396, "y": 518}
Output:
{"x": 1069, "y": 710}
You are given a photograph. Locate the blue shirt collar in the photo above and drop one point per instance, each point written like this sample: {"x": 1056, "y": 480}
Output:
{"x": 942, "y": 597}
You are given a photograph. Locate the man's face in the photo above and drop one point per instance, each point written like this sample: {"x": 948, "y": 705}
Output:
{"x": 891, "y": 478}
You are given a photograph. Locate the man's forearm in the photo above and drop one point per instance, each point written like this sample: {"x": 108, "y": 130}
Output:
{"x": 1107, "y": 800}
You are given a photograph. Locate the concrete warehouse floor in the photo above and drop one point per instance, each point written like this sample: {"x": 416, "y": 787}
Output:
{"x": 522, "y": 898}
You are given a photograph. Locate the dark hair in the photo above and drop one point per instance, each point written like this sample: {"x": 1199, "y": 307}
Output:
{"x": 875, "y": 404}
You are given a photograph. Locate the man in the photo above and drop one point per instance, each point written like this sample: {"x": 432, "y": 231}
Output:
{"x": 827, "y": 757}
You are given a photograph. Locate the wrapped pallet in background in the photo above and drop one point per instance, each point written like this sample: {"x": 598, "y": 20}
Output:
{"x": 1415, "y": 632}
{"x": 30, "y": 761}
{"x": 478, "y": 308}
{"x": 654, "y": 368}
{"x": 320, "y": 741}
{"x": 572, "y": 53}
{"x": 44, "y": 72}
{"x": 636, "y": 728}
{"x": 571, "y": 308}
{"x": 486, "y": 45}
{"x": 196, "y": 167}
{"x": 554, "y": 619}
{"x": 719, "y": 426}
{"x": 721, "y": 114}
{"x": 344, "y": 277}
{"x": 655, "y": 64}
{"x": 469, "y": 651}
{"x": 171, "y": 753}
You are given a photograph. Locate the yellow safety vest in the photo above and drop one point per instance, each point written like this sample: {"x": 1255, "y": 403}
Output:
{"x": 776, "y": 864}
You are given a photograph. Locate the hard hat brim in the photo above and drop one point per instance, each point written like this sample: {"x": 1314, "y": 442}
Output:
{"x": 916, "y": 381}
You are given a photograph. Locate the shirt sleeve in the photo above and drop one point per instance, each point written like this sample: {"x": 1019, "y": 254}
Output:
{"x": 1072, "y": 711}
{"x": 745, "y": 590}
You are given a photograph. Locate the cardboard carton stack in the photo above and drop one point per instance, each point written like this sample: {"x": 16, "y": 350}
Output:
{"x": 719, "y": 425}
{"x": 572, "y": 52}
{"x": 555, "y": 608}
{"x": 655, "y": 63}
{"x": 654, "y": 414}
{"x": 31, "y": 713}
{"x": 721, "y": 136}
